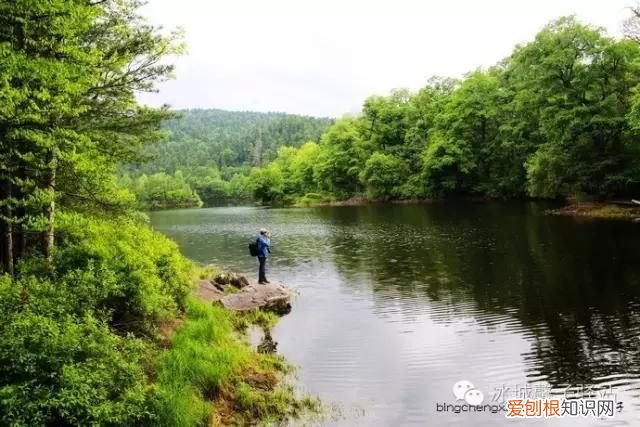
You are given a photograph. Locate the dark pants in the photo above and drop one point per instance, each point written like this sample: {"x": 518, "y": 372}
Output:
{"x": 262, "y": 270}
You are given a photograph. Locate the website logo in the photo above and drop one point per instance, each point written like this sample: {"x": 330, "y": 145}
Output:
{"x": 465, "y": 390}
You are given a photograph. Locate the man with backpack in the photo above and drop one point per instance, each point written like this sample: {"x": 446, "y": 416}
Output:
{"x": 263, "y": 243}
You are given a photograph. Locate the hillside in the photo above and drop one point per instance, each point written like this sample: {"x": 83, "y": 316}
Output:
{"x": 212, "y": 137}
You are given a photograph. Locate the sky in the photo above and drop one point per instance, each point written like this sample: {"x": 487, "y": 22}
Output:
{"x": 325, "y": 57}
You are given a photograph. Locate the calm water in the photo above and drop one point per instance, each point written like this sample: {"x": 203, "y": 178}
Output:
{"x": 398, "y": 303}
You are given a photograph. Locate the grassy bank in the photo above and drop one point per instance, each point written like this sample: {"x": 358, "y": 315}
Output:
{"x": 107, "y": 333}
{"x": 209, "y": 374}
{"x": 598, "y": 210}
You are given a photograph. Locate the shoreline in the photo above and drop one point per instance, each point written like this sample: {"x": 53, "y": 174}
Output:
{"x": 259, "y": 387}
{"x": 599, "y": 210}
{"x": 620, "y": 210}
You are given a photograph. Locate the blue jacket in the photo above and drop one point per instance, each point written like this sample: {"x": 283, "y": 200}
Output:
{"x": 264, "y": 246}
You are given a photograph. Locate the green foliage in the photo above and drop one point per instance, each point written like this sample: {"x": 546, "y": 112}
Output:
{"x": 576, "y": 84}
{"x": 557, "y": 118}
{"x": 60, "y": 366}
{"x": 545, "y": 172}
{"x": 340, "y": 159}
{"x": 160, "y": 190}
{"x": 206, "y": 360}
{"x": 135, "y": 275}
{"x": 384, "y": 175}
{"x": 203, "y": 356}
{"x": 448, "y": 166}
{"x": 69, "y": 73}
{"x": 222, "y": 139}
{"x": 214, "y": 150}
{"x": 72, "y": 347}
{"x": 267, "y": 184}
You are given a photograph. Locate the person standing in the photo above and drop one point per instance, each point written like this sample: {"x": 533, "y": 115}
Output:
{"x": 264, "y": 249}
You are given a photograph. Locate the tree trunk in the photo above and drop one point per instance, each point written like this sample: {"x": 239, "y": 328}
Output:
{"x": 6, "y": 250}
{"x": 19, "y": 234}
{"x": 48, "y": 240}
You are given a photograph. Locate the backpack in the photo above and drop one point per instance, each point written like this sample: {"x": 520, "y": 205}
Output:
{"x": 253, "y": 248}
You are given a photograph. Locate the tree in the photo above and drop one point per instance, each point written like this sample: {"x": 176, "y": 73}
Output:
{"x": 267, "y": 184}
{"x": 580, "y": 84}
{"x": 341, "y": 158}
{"x": 470, "y": 117}
{"x": 448, "y": 166}
{"x": 384, "y": 176}
{"x": 68, "y": 77}
{"x": 302, "y": 168}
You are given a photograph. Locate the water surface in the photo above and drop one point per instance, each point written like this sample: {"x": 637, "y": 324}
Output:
{"x": 397, "y": 303}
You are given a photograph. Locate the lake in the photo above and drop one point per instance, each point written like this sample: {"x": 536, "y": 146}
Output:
{"x": 398, "y": 303}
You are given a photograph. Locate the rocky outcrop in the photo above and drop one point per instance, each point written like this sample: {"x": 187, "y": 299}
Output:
{"x": 272, "y": 297}
{"x": 208, "y": 291}
{"x": 236, "y": 292}
{"x": 231, "y": 278}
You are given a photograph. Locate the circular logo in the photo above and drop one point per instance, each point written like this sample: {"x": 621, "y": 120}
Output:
{"x": 461, "y": 388}
{"x": 474, "y": 397}
{"x": 465, "y": 390}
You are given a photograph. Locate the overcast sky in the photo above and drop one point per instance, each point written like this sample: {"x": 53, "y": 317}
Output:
{"x": 324, "y": 57}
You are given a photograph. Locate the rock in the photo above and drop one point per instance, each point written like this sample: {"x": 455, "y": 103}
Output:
{"x": 239, "y": 281}
{"x": 230, "y": 278}
{"x": 272, "y": 297}
{"x": 267, "y": 345}
{"x": 208, "y": 292}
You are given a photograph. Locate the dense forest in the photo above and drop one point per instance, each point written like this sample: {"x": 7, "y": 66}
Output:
{"x": 558, "y": 118}
{"x": 207, "y": 155}
{"x": 86, "y": 287}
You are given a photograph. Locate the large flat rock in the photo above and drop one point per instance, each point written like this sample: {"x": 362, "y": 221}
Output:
{"x": 272, "y": 296}
{"x": 208, "y": 292}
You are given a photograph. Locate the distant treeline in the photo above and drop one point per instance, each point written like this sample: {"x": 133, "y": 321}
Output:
{"x": 559, "y": 117}
{"x": 208, "y": 155}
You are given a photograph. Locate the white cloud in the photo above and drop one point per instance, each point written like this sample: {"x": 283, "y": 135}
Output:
{"x": 324, "y": 57}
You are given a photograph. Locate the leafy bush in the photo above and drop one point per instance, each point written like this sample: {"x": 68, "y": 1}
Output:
{"x": 124, "y": 268}
{"x": 60, "y": 365}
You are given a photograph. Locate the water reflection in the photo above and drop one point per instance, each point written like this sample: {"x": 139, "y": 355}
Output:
{"x": 399, "y": 302}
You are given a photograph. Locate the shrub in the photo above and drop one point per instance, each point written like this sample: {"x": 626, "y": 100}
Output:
{"x": 62, "y": 367}
{"x": 124, "y": 268}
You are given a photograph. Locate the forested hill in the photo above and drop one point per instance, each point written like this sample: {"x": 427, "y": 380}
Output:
{"x": 224, "y": 139}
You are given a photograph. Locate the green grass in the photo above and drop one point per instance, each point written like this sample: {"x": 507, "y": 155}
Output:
{"x": 203, "y": 272}
{"x": 312, "y": 199}
{"x": 611, "y": 211}
{"x": 203, "y": 355}
{"x": 265, "y": 319}
{"x": 210, "y": 373}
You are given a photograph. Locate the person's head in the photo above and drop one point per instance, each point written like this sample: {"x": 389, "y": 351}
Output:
{"x": 264, "y": 232}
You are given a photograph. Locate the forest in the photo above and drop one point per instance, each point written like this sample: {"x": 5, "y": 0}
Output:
{"x": 91, "y": 297}
{"x": 558, "y": 118}
{"x": 206, "y": 156}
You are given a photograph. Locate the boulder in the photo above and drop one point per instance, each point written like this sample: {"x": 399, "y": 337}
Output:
{"x": 208, "y": 291}
{"x": 272, "y": 297}
{"x": 231, "y": 278}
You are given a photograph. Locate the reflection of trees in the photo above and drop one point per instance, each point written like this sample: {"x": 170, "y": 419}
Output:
{"x": 571, "y": 283}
